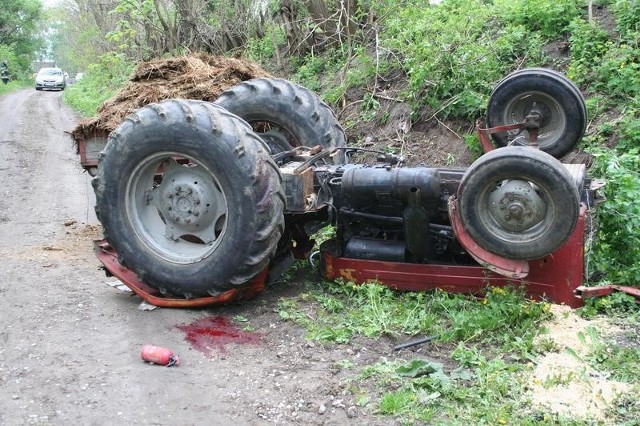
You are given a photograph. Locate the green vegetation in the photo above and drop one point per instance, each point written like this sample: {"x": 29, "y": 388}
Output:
{"x": 19, "y": 38}
{"x": 102, "y": 81}
{"x": 491, "y": 341}
{"x": 607, "y": 65}
{"x": 478, "y": 367}
{"x": 340, "y": 310}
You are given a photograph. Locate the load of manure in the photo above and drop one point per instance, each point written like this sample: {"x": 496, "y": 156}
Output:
{"x": 201, "y": 76}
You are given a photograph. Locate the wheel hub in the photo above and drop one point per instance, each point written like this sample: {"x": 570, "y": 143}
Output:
{"x": 540, "y": 110}
{"x": 183, "y": 205}
{"x": 516, "y": 206}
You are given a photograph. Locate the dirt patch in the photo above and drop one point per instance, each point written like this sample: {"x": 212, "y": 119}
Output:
{"x": 563, "y": 382}
{"x": 376, "y": 119}
{"x": 200, "y": 76}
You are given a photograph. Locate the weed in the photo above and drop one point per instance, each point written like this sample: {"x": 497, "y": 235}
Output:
{"x": 546, "y": 345}
{"x": 488, "y": 338}
{"x": 397, "y": 402}
{"x": 616, "y": 304}
{"x": 264, "y": 49}
{"x": 617, "y": 249}
{"x": 424, "y": 391}
{"x": 473, "y": 145}
{"x": 345, "y": 364}
{"x": 589, "y": 43}
{"x": 100, "y": 83}
{"x": 621, "y": 362}
{"x": 546, "y": 17}
{"x": 626, "y": 408}
{"x": 559, "y": 379}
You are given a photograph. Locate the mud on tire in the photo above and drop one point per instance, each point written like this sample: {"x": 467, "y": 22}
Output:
{"x": 189, "y": 198}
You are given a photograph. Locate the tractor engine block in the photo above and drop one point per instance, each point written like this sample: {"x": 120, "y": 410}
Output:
{"x": 391, "y": 214}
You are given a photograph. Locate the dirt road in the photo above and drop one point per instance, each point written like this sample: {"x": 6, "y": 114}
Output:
{"x": 70, "y": 344}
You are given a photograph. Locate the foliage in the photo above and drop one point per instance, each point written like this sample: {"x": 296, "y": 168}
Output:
{"x": 609, "y": 67}
{"x": 481, "y": 390}
{"x": 473, "y": 144}
{"x": 101, "y": 82}
{"x": 549, "y": 18}
{"x": 341, "y": 310}
{"x": 620, "y": 361}
{"x": 617, "y": 252}
{"x": 589, "y": 43}
{"x": 263, "y": 49}
{"x": 485, "y": 336}
{"x": 618, "y": 304}
{"x": 606, "y": 63}
{"x": 19, "y": 38}
{"x": 627, "y": 13}
{"x": 455, "y": 52}
{"x": 18, "y": 21}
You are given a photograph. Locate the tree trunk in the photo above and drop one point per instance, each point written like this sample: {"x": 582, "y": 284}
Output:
{"x": 171, "y": 33}
{"x": 289, "y": 18}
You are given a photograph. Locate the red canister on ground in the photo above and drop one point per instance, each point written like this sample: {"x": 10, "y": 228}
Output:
{"x": 159, "y": 355}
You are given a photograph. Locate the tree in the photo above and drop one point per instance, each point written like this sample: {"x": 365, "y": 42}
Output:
{"x": 19, "y": 39}
{"x": 18, "y": 20}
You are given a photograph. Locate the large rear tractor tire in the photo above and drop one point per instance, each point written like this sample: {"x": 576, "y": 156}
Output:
{"x": 189, "y": 198}
{"x": 518, "y": 202}
{"x": 556, "y": 98}
{"x": 285, "y": 115}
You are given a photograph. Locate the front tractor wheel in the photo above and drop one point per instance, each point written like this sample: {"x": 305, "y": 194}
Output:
{"x": 189, "y": 198}
{"x": 550, "y": 96}
{"x": 518, "y": 202}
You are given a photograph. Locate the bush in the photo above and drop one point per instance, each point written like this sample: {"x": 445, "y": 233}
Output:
{"x": 454, "y": 53}
{"x": 102, "y": 81}
{"x": 549, "y": 18}
{"x": 617, "y": 248}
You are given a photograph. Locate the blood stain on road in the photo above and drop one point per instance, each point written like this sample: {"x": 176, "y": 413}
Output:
{"x": 215, "y": 333}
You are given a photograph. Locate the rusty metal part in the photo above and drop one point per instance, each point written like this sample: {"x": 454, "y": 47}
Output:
{"x": 89, "y": 147}
{"x": 606, "y": 290}
{"x": 109, "y": 258}
{"x": 506, "y": 267}
{"x": 531, "y": 124}
{"x": 554, "y": 277}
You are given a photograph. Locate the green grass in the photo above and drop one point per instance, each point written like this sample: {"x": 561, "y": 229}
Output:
{"x": 489, "y": 340}
{"x": 335, "y": 312}
{"x": 12, "y": 86}
{"x": 476, "y": 371}
{"x": 102, "y": 81}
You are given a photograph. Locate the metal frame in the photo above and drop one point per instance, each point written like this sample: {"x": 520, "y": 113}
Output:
{"x": 554, "y": 277}
{"x": 109, "y": 258}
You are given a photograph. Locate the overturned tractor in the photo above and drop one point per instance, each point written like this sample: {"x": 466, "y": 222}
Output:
{"x": 203, "y": 202}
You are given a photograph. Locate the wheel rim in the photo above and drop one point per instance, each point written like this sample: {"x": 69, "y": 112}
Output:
{"x": 516, "y": 211}
{"x": 176, "y": 207}
{"x": 553, "y": 118}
